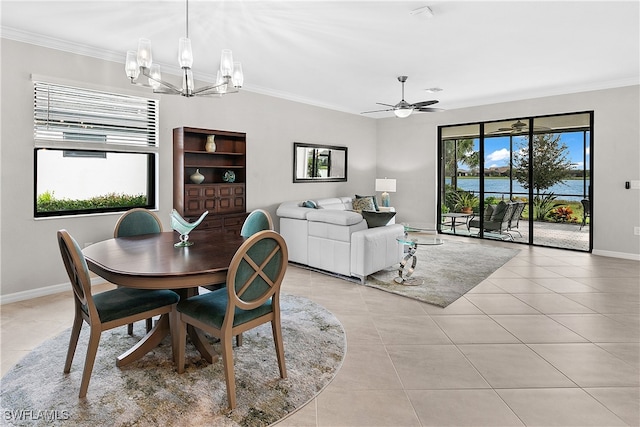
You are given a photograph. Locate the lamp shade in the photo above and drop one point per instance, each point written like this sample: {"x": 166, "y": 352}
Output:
{"x": 131, "y": 64}
{"x": 386, "y": 185}
{"x": 185, "y": 54}
{"x": 144, "y": 53}
{"x": 226, "y": 63}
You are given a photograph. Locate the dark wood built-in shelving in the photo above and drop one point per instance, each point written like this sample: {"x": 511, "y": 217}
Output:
{"x": 225, "y": 201}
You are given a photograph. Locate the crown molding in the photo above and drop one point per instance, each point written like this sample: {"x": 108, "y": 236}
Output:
{"x": 119, "y": 57}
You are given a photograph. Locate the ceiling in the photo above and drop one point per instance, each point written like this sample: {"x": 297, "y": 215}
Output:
{"x": 346, "y": 55}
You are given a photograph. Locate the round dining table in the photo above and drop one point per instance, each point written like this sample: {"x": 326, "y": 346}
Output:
{"x": 151, "y": 261}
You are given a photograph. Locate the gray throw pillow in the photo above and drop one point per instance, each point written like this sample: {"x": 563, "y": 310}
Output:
{"x": 375, "y": 202}
{"x": 364, "y": 204}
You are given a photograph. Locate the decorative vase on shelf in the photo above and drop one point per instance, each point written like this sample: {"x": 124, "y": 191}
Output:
{"x": 210, "y": 145}
{"x": 229, "y": 176}
{"x": 197, "y": 177}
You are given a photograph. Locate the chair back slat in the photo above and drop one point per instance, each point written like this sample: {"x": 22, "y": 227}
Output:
{"x": 77, "y": 269}
{"x": 256, "y": 271}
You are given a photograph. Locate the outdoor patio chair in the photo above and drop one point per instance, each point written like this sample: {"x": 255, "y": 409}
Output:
{"x": 514, "y": 222}
{"x": 499, "y": 219}
{"x": 586, "y": 211}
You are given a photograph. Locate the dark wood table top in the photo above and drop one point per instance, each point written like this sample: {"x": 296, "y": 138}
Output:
{"x": 152, "y": 262}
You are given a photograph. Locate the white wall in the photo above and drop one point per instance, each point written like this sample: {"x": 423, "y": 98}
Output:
{"x": 407, "y": 149}
{"x": 30, "y": 256}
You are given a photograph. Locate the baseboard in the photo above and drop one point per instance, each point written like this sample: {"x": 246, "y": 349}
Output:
{"x": 612, "y": 254}
{"x": 41, "y": 292}
{"x": 328, "y": 273}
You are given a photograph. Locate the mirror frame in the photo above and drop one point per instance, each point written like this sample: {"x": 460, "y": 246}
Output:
{"x": 297, "y": 145}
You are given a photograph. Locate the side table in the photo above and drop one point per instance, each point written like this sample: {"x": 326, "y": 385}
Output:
{"x": 456, "y": 218}
{"x": 412, "y": 240}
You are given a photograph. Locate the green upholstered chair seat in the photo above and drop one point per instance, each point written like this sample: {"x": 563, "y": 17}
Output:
{"x": 211, "y": 307}
{"x": 122, "y": 302}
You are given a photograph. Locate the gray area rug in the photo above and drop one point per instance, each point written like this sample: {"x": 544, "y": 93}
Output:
{"x": 444, "y": 272}
{"x": 150, "y": 392}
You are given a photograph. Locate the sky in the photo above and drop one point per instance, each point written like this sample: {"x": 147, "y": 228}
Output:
{"x": 497, "y": 150}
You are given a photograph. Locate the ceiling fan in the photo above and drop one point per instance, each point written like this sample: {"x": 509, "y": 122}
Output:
{"x": 403, "y": 109}
{"x": 518, "y": 128}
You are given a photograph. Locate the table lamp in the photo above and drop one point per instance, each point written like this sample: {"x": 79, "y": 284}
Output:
{"x": 386, "y": 185}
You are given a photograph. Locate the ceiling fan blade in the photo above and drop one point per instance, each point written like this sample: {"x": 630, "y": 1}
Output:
{"x": 386, "y": 105}
{"x": 425, "y": 103}
{"x": 429, "y": 110}
{"x": 376, "y": 111}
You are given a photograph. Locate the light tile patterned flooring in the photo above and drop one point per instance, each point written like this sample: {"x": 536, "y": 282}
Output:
{"x": 550, "y": 339}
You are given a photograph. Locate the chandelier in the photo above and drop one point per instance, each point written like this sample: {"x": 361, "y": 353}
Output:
{"x": 229, "y": 78}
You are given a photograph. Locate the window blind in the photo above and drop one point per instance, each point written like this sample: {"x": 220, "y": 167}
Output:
{"x": 71, "y": 117}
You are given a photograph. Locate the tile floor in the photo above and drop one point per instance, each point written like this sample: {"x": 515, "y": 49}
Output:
{"x": 550, "y": 339}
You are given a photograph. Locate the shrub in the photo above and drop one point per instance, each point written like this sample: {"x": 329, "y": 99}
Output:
{"x": 562, "y": 214}
{"x": 46, "y": 202}
{"x": 543, "y": 204}
{"x": 465, "y": 199}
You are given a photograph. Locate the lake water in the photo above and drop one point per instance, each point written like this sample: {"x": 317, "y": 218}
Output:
{"x": 572, "y": 189}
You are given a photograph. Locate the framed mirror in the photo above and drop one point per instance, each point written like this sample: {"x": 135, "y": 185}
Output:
{"x": 319, "y": 163}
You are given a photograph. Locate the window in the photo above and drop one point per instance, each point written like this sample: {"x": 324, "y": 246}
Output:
{"x": 93, "y": 151}
{"x": 541, "y": 165}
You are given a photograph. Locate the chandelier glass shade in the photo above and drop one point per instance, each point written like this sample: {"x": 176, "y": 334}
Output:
{"x": 229, "y": 79}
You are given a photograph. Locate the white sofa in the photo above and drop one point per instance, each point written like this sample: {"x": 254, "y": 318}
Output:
{"x": 334, "y": 238}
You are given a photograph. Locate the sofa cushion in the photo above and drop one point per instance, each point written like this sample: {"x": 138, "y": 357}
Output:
{"x": 333, "y": 216}
{"x": 293, "y": 210}
{"x": 488, "y": 211}
{"x": 375, "y": 202}
{"x": 499, "y": 211}
{"x": 335, "y": 203}
{"x": 364, "y": 204}
{"x": 377, "y": 219}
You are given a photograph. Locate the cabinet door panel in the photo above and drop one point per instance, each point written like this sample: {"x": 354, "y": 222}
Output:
{"x": 193, "y": 207}
{"x": 209, "y": 204}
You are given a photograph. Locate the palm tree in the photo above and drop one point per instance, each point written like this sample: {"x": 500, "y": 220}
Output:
{"x": 458, "y": 151}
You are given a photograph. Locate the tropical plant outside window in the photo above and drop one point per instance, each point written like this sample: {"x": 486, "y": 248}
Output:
{"x": 94, "y": 151}
{"x": 543, "y": 162}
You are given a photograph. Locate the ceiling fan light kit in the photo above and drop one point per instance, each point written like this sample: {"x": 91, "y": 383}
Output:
{"x": 403, "y": 109}
{"x": 230, "y": 76}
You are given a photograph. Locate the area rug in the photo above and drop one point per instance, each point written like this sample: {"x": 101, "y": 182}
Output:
{"x": 150, "y": 392}
{"x": 444, "y": 272}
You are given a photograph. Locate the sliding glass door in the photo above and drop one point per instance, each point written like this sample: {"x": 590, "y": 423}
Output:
{"x": 524, "y": 180}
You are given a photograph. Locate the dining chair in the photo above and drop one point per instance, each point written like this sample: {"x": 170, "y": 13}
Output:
{"x": 105, "y": 310}
{"x": 257, "y": 220}
{"x": 251, "y": 297}
{"x": 135, "y": 222}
